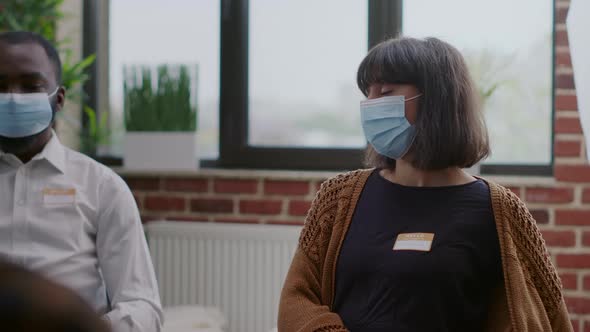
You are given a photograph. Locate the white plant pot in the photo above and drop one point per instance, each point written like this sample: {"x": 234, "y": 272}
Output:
{"x": 175, "y": 151}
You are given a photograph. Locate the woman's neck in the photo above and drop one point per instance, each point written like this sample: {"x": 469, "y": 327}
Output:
{"x": 405, "y": 174}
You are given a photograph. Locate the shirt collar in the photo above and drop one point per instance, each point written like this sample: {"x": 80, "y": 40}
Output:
{"x": 53, "y": 152}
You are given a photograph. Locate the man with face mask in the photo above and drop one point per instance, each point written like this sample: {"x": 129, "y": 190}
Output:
{"x": 61, "y": 213}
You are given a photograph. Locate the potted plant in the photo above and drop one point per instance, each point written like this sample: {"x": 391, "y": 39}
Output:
{"x": 160, "y": 118}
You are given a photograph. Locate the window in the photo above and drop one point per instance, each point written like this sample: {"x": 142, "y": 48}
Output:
{"x": 318, "y": 129}
{"x": 507, "y": 50}
{"x": 277, "y": 85}
{"x": 302, "y": 84}
{"x": 288, "y": 133}
{"x": 154, "y": 32}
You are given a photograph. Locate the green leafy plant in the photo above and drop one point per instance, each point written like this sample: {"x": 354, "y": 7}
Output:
{"x": 38, "y": 16}
{"x": 99, "y": 131}
{"x": 164, "y": 104}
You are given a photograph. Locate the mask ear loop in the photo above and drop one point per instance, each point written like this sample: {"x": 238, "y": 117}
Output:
{"x": 53, "y": 110}
{"x": 412, "y": 98}
{"x": 414, "y": 136}
{"x": 57, "y": 89}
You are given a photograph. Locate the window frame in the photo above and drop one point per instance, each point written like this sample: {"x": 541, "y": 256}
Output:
{"x": 385, "y": 20}
{"x": 95, "y": 41}
{"x": 234, "y": 150}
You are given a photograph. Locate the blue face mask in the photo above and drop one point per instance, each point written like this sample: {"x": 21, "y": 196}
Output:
{"x": 23, "y": 115}
{"x": 386, "y": 127}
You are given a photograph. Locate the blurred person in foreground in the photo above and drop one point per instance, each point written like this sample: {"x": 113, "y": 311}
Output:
{"x": 30, "y": 302}
{"x": 62, "y": 213}
{"x": 415, "y": 243}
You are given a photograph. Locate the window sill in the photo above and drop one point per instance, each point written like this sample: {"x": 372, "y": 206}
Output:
{"x": 506, "y": 180}
{"x": 229, "y": 173}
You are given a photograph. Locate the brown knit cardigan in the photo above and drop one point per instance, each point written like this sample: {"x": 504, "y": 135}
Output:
{"x": 529, "y": 299}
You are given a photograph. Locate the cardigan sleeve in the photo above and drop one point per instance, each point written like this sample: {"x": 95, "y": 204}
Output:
{"x": 301, "y": 308}
{"x": 560, "y": 321}
{"x": 534, "y": 261}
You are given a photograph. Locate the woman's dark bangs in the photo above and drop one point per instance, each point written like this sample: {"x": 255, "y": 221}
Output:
{"x": 369, "y": 71}
{"x": 385, "y": 63}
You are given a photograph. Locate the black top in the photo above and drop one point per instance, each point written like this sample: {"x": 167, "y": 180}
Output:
{"x": 445, "y": 289}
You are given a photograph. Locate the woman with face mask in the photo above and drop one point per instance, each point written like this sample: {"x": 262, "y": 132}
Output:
{"x": 415, "y": 243}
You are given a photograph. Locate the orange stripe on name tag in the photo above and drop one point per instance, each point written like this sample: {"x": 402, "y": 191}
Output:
{"x": 59, "y": 192}
{"x": 59, "y": 196}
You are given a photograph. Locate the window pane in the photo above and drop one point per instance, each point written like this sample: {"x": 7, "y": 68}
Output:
{"x": 302, "y": 72}
{"x": 507, "y": 49}
{"x": 153, "y": 32}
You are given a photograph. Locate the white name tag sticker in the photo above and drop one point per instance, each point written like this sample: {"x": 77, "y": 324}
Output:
{"x": 59, "y": 196}
{"x": 414, "y": 241}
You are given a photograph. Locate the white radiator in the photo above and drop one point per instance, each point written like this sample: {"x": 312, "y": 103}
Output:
{"x": 238, "y": 268}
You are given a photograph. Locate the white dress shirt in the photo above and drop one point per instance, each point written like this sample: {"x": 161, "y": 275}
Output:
{"x": 76, "y": 221}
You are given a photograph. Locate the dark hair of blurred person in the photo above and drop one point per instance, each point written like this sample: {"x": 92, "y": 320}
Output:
{"x": 30, "y": 302}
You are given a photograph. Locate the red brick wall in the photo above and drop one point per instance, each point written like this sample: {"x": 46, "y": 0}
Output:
{"x": 561, "y": 205}
{"x": 221, "y": 197}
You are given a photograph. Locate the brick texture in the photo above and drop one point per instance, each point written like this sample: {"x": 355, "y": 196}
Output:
{"x": 567, "y": 148}
{"x": 298, "y": 222}
{"x": 299, "y": 208}
{"x": 559, "y": 238}
{"x": 572, "y": 173}
{"x": 549, "y": 195}
{"x": 565, "y": 81}
{"x": 568, "y": 126}
{"x": 578, "y": 305}
{"x": 576, "y": 261}
{"x": 164, "y": 203}
{"x": 516, "y": 190}
{"x": 187, "y": 218}
{"x": 233, "y": 220}
{"x": 561, "y": 38}
{"x": 566, "y": 103}
{"x": 563, "y": 60}
{"x": 569, "y": 280}
{"x": 573, "y": 217}
{"x": 540, "y": 216}
{"x": 264, "y": 207}
{"x": 286, "y": 187}
{"x": 186, "y": 185}
{"x": 143, "y": 184}
{"x": 236, "y": 186}
{"x": 212, "y": 205}
{"x": 560, "y": 15}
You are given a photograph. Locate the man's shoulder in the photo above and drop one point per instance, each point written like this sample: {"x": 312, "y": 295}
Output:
{"x": 102, "y": 174}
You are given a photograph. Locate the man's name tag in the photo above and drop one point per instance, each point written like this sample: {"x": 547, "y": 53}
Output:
{"x": 59, "y": 196}
{"x": 414, "y": 241}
